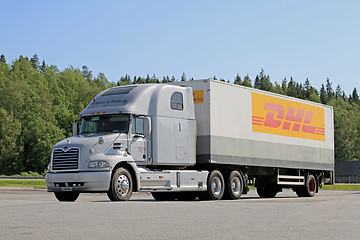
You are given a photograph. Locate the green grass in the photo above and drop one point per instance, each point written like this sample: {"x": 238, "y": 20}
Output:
{"x": 36, "y": 183}
{"x": 350, "y": 187}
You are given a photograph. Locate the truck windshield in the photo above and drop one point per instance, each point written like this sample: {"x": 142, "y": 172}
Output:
{"x": 106, "y": 123}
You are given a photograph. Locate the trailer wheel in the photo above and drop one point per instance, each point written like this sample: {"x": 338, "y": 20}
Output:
{"x": 121, "y": 186}
{"x": 234, "y": 186}
{"x": 268, "y": 191}
{"x": 66, "y": 196}
{"x": 164, "y": 196}
{"x": 215, "y": 187}
{"x": 309, "y": 189}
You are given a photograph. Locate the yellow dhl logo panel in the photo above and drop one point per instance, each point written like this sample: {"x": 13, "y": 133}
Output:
{"x": 287, "y": 118}
{"x": 198, "y": 96}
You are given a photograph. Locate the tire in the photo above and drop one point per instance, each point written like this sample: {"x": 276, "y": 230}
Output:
{"x": 215, "y": 187}
{"x": 67, "y": 196}
{"x": 234, "y": 186}
{"x": 309, "y": 189}
{"x": 164, "y": 196}
{"x": 267, "y": 192}
{"x": 121, "y": 185}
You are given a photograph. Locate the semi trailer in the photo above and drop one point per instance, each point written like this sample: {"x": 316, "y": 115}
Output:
{"x": 201, "y": 139}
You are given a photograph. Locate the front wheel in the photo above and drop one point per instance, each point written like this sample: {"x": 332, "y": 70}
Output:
{"x": 121, "y": 186}
{"x": 66, "y": 196}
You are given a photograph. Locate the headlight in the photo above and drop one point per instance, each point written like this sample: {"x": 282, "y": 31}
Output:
{"x": 98, "y": 164}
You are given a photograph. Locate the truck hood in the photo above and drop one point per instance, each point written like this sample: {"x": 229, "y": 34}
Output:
{"x": 89, "y": 141}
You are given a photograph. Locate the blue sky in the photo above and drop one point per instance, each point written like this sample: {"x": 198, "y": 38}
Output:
{"x": 314, "y": 39}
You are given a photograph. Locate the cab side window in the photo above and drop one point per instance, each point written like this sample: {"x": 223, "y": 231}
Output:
{"x": 176, "y": 101}
{"x": 137, "y": 126}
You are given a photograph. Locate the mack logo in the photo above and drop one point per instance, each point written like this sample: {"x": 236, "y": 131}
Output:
{"x": 288, "y": 118}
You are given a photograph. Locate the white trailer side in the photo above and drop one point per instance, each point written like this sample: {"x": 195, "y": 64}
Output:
{"x": 226, "y": 133}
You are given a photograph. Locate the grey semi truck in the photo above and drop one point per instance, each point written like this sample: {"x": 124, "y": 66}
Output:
{"x": 190, "y": 140}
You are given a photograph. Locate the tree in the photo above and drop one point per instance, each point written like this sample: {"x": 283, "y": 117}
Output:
{"x": 165, "y": 79}
{"x": 238, "y": 80}
{"x": 346, "y": 128}
{"x": 257, "y": 82}
{"x": 183, "y": 77}
{"x": 284, "y": 86}
{"x": 265, "y": 81}
{"x": 10, "y": 130}
{"x": 329, "y": 91}
{"x": 125, "y": 80}
{"x": 154, "y": 79}
{"x": 323, "y": 97}
{"x": 2, "y": 59}
{"x": 277, "y": 88}
{"x": 87, "y": 73}
{"x": 354, "y": 97}
{"x": 307, "y": 88}
{"x": 35, "y": 62}
{"x": 43, "y": 66}
{"x": 247, "y": 81}
{"x": 292, "y": 89}
{"x": 102, "y": 82}
{"x": 338, "y": 92}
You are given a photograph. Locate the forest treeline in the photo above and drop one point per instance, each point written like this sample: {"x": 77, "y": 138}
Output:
{"x": 39, "y": 103}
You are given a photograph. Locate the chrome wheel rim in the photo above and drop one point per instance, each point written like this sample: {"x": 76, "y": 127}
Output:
{"x": 216, "y": 186}
{"x": 122, "y": 185}
{"x": 235, "y": 185}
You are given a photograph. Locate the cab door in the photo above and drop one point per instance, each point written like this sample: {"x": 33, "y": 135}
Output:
{"x": 138, "y": 143}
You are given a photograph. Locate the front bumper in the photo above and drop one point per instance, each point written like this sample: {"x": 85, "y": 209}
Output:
{"x": 78, "y": 181}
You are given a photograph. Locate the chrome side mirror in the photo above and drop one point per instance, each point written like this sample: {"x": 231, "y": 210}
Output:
{"x": 75, "y": 130}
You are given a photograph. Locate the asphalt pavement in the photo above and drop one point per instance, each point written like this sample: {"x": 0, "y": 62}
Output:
{"x": 27, "y": 213}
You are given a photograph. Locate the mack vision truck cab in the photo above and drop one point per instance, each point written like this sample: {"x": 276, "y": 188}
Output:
{"x": 190, "y": 140}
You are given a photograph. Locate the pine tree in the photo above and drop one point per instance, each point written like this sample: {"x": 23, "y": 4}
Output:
{"x": 284, "y": 86}
{"x": 238, "y": 80}
{"x": 43, "y": 66}
{"x": 338, "y": 92}
{"x": 323, "y": 94}
{"x": 307, "y": 89}
{"x": 165, "y": 79}
{"x": 257, "y": 82}
{"x": 183, "y": 77}
{"x": 329, "y": 91}
{"x": 87, "y": 73}
{"x": 354, "y": 98}
{"x": 247, "y": 81}
{"x": 2, "y": 59}
{"x": 35, "y": 62}
{"x": 291, "y": 88}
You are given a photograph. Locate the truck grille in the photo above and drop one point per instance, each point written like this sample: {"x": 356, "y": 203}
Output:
{"x": 65, "y": 160}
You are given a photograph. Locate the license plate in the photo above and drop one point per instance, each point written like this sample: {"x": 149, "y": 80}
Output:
{"x": 66, "y": 189}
